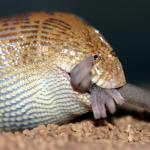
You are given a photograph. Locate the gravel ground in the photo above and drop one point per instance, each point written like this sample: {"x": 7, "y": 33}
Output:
{"x": 127, "y": 130}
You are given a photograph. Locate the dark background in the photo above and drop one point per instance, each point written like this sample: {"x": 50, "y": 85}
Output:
{"x": 124, "y": 23}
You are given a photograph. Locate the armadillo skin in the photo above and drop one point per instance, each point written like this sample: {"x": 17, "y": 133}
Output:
{"x": 36, "y": 52}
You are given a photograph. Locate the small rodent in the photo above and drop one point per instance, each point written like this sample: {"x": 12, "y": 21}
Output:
{"x": 103, "y": 99}
{"x": 41, "y": 56}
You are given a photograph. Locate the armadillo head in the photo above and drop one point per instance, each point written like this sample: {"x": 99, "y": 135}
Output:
{"x": 83, "y": 40}
{"x": 107, "y": 71}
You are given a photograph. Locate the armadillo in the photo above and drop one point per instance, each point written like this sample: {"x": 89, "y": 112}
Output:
{"x": 39, "y": 53}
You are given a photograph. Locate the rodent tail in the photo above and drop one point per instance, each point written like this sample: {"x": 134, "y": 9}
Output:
{"x": 136, "y": 96}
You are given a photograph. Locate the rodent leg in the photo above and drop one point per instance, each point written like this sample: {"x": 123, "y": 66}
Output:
{"x": 81, "y": 75}
{"x": 104, "y": 99}
{"x": 136, "y": 95}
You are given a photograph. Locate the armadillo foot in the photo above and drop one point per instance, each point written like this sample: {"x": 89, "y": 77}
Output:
{"x": 81, "y": 75}
{"x": 104, "y": 99}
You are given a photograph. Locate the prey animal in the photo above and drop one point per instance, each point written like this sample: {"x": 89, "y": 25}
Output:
{"x": 54, "y": 67}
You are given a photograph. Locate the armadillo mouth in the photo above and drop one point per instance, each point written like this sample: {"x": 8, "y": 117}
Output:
{"x": 108, "y": 77}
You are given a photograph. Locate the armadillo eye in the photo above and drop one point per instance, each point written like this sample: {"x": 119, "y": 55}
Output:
{"x": 95, "y": 57}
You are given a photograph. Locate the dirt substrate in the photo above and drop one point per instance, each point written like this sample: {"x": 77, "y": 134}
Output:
{"x": 128, "y": 131}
